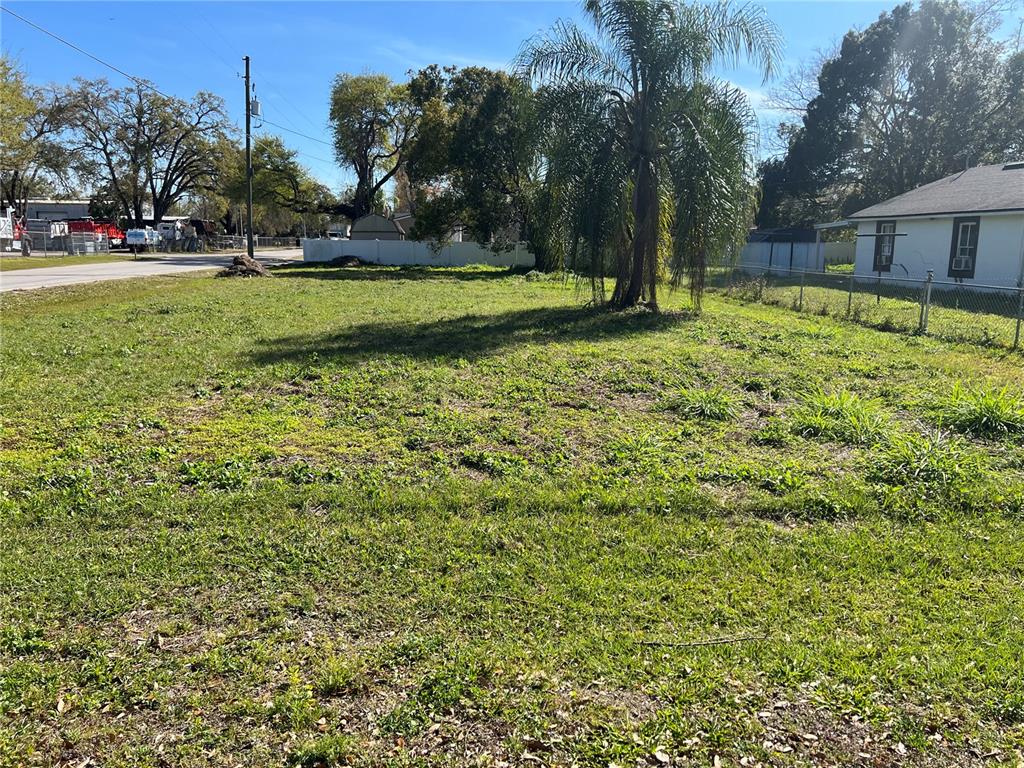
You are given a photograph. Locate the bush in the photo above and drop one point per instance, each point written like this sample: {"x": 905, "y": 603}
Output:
{"x": 840, "y": 415}
{"x": 983, "y": 412}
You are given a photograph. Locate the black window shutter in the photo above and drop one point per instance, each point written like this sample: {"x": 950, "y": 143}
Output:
{"x": 878, "y": 246}
{"x": 879, "y": 266}
{"x": 968, "y": 272}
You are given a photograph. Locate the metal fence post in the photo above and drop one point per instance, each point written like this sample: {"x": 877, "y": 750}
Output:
{"x": 803, "y": 277}
{"x": 849, "y": 297}
{"x": 926, "y": 302}
{"x": 1020, "y": 316}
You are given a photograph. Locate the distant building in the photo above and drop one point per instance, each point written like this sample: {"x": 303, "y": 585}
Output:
{"x": 967, "y": 227}
{"x": 56, "y": 210}
{"x": 373, "y": 226}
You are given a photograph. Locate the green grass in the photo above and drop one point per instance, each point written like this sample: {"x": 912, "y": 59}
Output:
{"x": 11, "y": 263}
{"x": 418, "y": 517}
{"x": 984, "y": 412}
{"x": 957, "y": 314}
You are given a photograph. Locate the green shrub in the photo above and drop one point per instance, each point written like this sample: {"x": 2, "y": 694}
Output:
{"x": 983, "y": 412}
{"x": 840, "y": 415}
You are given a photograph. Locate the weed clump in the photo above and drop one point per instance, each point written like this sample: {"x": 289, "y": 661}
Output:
{"x": 840, "y": 415}
{"x": 983, "y": 412}
{"x": 714, "y": 404}
{"x": 774, "y": 433}
{"x": 335, "y": 749}
{"x": 918, "y": 469}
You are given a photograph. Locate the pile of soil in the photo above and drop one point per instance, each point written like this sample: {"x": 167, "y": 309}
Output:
{"x": 243, "y": 266}
{"x": 346, "y": 261}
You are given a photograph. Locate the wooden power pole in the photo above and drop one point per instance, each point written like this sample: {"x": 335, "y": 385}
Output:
{"x": 248, "y": 161}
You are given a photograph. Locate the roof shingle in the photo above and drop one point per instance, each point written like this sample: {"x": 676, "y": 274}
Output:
{"x": 984, "y": 188}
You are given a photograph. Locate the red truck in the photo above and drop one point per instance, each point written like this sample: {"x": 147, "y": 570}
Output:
{"x": 114, "y": 235}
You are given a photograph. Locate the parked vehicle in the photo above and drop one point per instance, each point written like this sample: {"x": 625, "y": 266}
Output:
{"x": 115, "y": 236}
{"x": 141, "y": 239}
{"x": 13, "y": 235}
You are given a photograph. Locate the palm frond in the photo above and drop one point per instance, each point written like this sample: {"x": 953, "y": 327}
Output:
{"x": 566, "y": 53}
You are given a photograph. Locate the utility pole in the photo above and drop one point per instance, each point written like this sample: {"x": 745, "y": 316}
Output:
{"x": 248, "y": 160}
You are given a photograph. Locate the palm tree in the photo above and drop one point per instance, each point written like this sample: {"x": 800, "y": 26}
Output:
{"x": 649, "y": 154}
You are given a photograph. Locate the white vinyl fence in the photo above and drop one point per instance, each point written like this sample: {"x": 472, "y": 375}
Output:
{"x": 807, "y": 256}
{"x": 415, "y": 253}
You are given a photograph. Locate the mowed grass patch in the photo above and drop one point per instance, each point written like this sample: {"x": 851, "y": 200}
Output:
{"x": 12, "y": 263}
{"x": 402, "y": 517}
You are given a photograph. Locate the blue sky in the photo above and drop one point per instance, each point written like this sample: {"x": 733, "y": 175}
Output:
{"x": 298, "y": 47}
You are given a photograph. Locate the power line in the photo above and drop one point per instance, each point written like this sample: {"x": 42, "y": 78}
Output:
{"x": 234, "y": 50}
{"x": 146, "y": 84}
{"x": 276, "y": 93}
{"x": 137, "y": 80}
{"x": 298, "y": 111}
{"x": 266, "y": 142}
{"x": 297, "y": 133}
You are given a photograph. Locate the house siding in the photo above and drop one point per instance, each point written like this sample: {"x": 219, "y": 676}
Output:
{"x": 926, "y": 246}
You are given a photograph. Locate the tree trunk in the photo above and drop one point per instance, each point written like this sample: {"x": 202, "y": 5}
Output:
{"x": 642, "y": 269}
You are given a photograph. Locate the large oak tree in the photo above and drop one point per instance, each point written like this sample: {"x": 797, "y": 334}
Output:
{"x": 375, "y": 125}
{"x": 145, "y": 147}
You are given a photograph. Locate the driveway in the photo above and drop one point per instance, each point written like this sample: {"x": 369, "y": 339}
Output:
{"x": 172, "y": 264}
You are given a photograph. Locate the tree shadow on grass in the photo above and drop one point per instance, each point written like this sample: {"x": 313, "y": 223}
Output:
{"x": 468, "y": 336}
{"x": 313, "y": 271}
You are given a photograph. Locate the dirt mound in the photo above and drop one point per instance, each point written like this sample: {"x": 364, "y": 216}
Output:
{"x": 346, "y": 261}
{"x": 243, "y": 266}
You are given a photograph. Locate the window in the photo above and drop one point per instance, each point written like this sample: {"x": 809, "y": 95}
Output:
{"x": 963, "y": 252}
{"x": 885, "y": 245}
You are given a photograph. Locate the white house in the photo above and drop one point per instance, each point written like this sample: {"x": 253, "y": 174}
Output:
{"x": 968, "y": 227}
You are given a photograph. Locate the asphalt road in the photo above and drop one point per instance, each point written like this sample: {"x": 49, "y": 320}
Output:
{"x": 172, "y": 264}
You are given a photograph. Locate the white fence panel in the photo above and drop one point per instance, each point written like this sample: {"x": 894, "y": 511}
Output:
{"x": 415, "y": 253}
{"x": 783, "y": 255}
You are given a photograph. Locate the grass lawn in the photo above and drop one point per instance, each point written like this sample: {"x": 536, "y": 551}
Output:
{"x": 11, "y": 263}
{"x": 411, "y": 518}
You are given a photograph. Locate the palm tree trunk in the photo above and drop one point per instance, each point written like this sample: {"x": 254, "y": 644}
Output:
{"x": 645, "y": 242}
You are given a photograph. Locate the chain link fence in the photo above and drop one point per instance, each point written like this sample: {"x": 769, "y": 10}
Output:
{"x": 979, "y": 314}
{"x": 238, "y": 242}
{"x": 87, "y": 243}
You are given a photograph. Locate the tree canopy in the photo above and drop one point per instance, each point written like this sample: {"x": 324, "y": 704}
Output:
{"x": 285, "y": 194}
{"x": 147, "y": 147}
{"x": 476, "y": 161}
{"x": 920, "y": 93}
{"x": 34, "y": 161}
{"x": 375, "y": 126}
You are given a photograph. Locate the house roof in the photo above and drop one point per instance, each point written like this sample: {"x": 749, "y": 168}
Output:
{"x": 984, "y": 188}
{"x": 374, "y": 222}
{"x": 781, "y": 235}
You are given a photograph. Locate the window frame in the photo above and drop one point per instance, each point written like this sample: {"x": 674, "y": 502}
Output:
{"x": 880, "y": 239}
{"x": 972, "y": 246}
